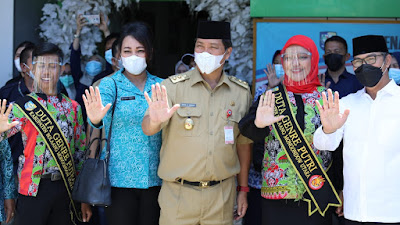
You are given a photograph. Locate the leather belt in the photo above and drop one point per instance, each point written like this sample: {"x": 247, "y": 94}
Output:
{"x": 202, "y": 184}
{"x": 52, "y": 176}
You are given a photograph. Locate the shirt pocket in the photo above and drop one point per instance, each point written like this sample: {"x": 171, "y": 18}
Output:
{"x": 189, "y": 113}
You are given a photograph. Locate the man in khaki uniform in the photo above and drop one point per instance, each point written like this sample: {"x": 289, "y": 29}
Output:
{"x": 202, "y": 150}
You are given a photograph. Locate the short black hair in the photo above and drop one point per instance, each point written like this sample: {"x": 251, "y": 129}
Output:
{"x": 48, "y": 48}
{"x": 277, "y": 52}
{"x": 26, "y": 53}
{"x": 227, "y": 43}
{"x": 337, "y": 39}
{"x": 142, "y": 33}
{"x": 115, "y": 48}
{"x": 110, "y": 37}
{"x": 24, "y": 44}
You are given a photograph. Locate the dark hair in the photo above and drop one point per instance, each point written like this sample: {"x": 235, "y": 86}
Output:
{"x": 337, "y": 39}
{"x": 277, "y": 52}
{"x": 115, "y": 48}
{"x": 142, "y": 33}
{"x": 24, "y": 44}
{"x": 47, "y": 48}
{"x": 26, "y": 53}
{"x": 227, "y": 43}
{"x": 110, "y": 37}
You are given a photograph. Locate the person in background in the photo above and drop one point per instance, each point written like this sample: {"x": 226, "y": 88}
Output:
{"x": 285, "y": 187}
{"x": 16, "y": 90}
{"x": 188, "y": 60}
{"x": 8, "y": 190}
{"x": 95, "y": 65}
{"x": 67, "y": 81}
{"x": 394, "y": 70}
{"x": 43, "y": 190}
{"x": 17, "y": 60}
{"x": 181, "y": 67}
{"x": 336, "y": 76}
{"x": 368, "y": 123}
{"x": 253, "y": 215}
{"x": 134, "y": 157}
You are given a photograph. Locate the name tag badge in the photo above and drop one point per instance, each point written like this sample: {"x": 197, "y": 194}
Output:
{"x": 127, "y": 98}
{"x": 187, "y": 105}
{"x": 229, "y": 139}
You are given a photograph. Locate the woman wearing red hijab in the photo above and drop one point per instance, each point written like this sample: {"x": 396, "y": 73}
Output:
{"x": 287, "y": 187}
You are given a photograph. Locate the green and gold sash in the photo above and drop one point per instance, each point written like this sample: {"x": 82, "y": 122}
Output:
{"x": 320, "y": 192}
{"x": 55, "y": 141}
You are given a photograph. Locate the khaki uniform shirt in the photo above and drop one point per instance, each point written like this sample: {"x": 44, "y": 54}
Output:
{"x": 200, "y": 154}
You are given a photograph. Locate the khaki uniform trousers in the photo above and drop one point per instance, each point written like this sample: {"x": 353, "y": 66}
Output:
{"x": 183, "y": 204}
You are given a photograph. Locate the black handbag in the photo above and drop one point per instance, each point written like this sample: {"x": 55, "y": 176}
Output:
{"x": 92, "y": 184}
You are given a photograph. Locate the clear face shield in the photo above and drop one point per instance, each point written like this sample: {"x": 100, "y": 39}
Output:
{"x": 296, "y": 62}
{"x": 46, "y": 71}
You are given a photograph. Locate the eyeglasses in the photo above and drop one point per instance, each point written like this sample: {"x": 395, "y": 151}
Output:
{"x": 371, "y": 59}
{"x": 298, "y": 56}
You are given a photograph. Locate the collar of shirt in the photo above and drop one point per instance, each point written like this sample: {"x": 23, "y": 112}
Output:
{"x": 196, "y": 77}
{"x": 391, "y": 88}
{"x": 120, "y": 77}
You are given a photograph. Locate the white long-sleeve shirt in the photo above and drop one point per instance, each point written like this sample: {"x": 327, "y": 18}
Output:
{"x": 371, "y": 154}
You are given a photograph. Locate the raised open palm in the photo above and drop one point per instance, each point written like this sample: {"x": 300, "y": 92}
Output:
{"x": 265, "y": 111}
{"x": 4, "y": 124}
{"x": 159, "y": 110}
{"x": 331, "y": 118}
{"x": 273, "y": 80}
{"x": 94, "y": 107}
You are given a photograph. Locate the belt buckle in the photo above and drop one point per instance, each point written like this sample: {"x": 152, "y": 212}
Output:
{"x": 55, "y": 176}
{"x": 204, "y": 184}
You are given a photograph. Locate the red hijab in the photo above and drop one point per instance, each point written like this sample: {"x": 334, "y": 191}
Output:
{"x": 312, "y": 81}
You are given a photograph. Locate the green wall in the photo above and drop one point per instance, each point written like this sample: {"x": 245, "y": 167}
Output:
{"x": 325, "y": 8}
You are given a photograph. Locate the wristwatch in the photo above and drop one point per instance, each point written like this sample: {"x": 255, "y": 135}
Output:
{"x": 244, "y": 189}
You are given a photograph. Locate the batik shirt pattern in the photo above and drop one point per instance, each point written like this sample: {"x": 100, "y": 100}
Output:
{"x": 37, "y": 159}
{"x": 280, "y": 180}
{"x": 7, "y": 184}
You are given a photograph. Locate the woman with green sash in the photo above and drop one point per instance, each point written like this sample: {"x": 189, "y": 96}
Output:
{"x": 295, "y": 187}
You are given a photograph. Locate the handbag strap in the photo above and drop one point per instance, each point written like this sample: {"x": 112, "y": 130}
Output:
{"x": 111, "y": 123}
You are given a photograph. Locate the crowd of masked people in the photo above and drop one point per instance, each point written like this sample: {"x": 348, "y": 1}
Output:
{"x": 198, "y": 147}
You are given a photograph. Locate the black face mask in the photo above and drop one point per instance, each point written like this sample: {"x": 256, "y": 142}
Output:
{"x": 369, "y": 75}
{"x": 334, "y": 61}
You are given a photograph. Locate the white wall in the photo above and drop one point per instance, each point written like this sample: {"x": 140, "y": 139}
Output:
{"x": 6, "y": 40}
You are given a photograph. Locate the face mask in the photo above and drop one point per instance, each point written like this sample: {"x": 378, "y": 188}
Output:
{"x": 369, "y": 75}
{"x": 120, "y": 65}
{"x": 67, "y": 80}
{"x": 108, "y": 56}
{"x": 394, "y": 74}
{"x": 134, "y": 64}
{"x": 93, "y": 68}
{"x": 30, "y": 72}
{"x": 279, "y": 70}
{"x": 334, "y": 61}
{"x": 17, "y": 64}
{"x": 206, "y": 62}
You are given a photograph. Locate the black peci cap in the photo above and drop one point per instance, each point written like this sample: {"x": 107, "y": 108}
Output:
{"x": 214, "y": 30}
{"x": 369, "y": 43}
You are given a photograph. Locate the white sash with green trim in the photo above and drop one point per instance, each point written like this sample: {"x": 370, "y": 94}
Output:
{"x": 320, "y": 193}
{"x": 55, "y": 141}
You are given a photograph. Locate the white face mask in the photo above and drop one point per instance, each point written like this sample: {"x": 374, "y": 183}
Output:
{"x": 17, "y": 65}
{"x": 30, "y": 72}
{"x": 206, "y": 62}
{"x": 134, "y": 64}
